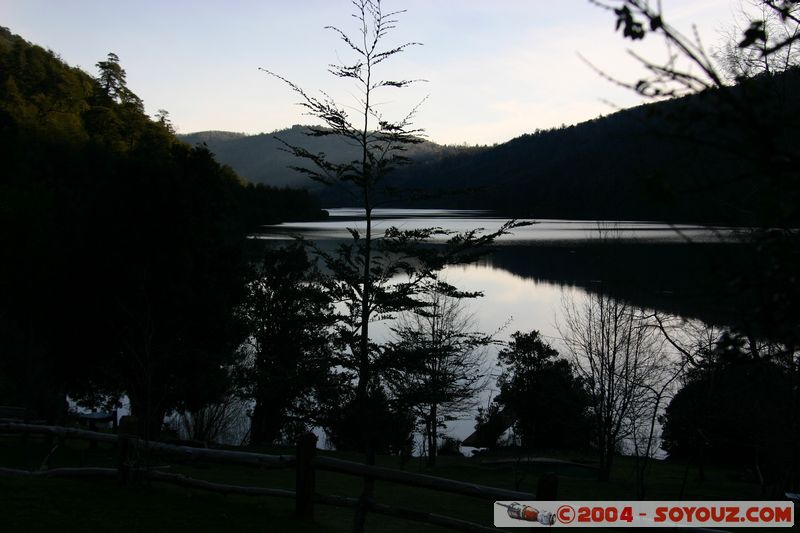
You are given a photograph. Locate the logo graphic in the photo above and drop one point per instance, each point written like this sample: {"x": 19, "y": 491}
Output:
{"x": 526, "y": 513}
{"x": 616, "y": 514}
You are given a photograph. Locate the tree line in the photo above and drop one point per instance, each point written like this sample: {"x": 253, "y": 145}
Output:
{"x": 124, "y": 250}
{"x": 676, "y": 160}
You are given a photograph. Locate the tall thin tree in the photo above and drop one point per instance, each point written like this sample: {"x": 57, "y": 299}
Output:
{"x": 373, "y": 276}
{"x": 366, "y": 269}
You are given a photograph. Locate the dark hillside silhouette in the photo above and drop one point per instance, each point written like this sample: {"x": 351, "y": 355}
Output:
{"x": 123, "y": 250}
{"x": 262, "y": 158}
{"x": 677, "y": 160}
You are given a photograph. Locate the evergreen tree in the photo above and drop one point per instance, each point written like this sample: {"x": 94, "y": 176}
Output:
{"x": 541, "y": 391}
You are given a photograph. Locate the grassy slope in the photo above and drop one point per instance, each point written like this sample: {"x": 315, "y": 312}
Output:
{"x": 78, "y": 505}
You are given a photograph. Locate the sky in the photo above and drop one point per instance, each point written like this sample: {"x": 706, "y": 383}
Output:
{"x": 494, "y": 69}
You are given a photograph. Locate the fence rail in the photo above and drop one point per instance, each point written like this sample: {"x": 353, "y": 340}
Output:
{"x": 305, "y": 462}
{"x": 419, "y": 480}
{"x": 210, "y": 455}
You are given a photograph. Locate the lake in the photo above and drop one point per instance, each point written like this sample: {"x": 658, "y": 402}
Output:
{"x": 541, "y": 231}
{"x": 527, "y": 275}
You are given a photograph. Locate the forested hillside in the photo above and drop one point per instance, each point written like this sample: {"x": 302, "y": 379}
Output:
{"x": 122, "y": 249}
{"x": 677, "y": 160}
{"x": 262, "y": 159}
{"x": 694, "y": 158}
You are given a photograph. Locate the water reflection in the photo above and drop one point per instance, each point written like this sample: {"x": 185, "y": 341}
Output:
{"x": 672, "y": 268}
{"x": 510, "y": 303}
{"x": 525, "y": 280}
{"x": 542, "y": 231}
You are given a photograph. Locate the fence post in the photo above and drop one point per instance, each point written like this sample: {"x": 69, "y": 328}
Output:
{"x": 547, "y": 488}
{"x": 360, "y": 518}
{"x": 304, "y": 485}
{"x": 128, "y": 441}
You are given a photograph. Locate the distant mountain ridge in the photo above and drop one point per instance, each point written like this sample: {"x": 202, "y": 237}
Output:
{"x": 691, "y": 159}
{"x": 213, "y": 136}
{"x": 261, "y": 159}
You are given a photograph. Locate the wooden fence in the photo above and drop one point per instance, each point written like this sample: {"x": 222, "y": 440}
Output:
{"x": 306, "y": 462}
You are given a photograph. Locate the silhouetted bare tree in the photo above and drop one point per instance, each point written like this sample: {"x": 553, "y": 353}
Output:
{"x": 619, "y": 359}
{"x": 741, "y": 62}
{"x": 436, "y": 364}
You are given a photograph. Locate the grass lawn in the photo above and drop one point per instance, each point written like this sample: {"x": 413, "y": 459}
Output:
{"x": 104, "y": 505}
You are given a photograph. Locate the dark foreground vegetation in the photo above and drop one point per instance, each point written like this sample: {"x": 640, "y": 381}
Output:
{"x": 123, "y": 251}
{"x": 76, "y": 505}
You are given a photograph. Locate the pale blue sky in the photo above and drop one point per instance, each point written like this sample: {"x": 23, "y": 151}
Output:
{"x": 496, "y": 68}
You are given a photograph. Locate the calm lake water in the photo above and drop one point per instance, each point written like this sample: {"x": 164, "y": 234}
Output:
{"x": 531, "y": 272}
{"x": 541, "y": 231}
